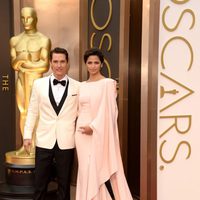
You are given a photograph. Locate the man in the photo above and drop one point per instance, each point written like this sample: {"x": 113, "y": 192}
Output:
{"x": 29, "y": 57}
{"x": 54, "y": 102}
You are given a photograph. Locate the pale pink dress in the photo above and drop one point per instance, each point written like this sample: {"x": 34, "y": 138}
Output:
{"x": 99, "y": 156}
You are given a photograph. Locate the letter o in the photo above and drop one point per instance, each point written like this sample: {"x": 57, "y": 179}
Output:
{"x": 180, "y": 2}
{"x": 92, "y": 16}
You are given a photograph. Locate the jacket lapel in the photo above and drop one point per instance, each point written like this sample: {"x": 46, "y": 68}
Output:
{"x": 56, "y": 107}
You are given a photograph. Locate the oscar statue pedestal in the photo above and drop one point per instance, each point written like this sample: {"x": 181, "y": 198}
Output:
{"x": 14, "y": 192}
{"x": 19, "y": 173}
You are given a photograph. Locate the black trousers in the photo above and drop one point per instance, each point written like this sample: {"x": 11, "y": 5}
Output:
{"x": 44, "y": 159}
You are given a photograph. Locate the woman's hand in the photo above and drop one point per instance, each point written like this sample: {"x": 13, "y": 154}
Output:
{"x": 86, "y": 130}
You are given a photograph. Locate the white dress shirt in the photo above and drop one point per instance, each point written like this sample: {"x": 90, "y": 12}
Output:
{"x": 58, "y": 90}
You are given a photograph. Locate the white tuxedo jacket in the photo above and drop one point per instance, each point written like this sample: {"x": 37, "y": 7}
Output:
{"x": 50, "y": 126}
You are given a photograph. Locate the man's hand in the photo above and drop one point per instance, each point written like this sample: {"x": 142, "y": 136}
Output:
{"x": 27, "y": 145}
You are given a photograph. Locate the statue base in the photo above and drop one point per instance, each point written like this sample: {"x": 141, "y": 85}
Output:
{"x": 19, "y": 169}
{"x": 14, "y": 192}
{"x": 20, "y": 175}
{"x": 20, "y": 159}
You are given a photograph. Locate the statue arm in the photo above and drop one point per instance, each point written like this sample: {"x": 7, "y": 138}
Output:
{"x": 16, "y": 62}
{"x": 42, "y": 64}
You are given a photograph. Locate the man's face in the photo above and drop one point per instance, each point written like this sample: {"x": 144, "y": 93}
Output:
{"x": 28, "y": 18}
{"x": 59, "y": 65}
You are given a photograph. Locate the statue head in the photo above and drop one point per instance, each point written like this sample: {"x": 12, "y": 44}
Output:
{"x": 29, "y": 18}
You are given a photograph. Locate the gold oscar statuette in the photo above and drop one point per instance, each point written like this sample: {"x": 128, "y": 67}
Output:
{"x": 30, "y": 59}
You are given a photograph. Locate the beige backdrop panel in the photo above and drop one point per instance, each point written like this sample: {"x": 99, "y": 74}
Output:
{"x": 178, "y": 160}
{"x": 59, "y": 20}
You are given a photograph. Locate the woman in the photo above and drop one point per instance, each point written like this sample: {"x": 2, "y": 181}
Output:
{"x": 100, "y": 172}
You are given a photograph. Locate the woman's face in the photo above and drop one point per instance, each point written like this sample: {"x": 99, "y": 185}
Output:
{"x": 93, "y": 64}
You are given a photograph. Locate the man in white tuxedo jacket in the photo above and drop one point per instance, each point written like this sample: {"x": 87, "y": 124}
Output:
{"x": 52, "y": 112}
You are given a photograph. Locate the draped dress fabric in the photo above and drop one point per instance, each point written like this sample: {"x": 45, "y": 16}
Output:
{"x": 99, "y": 157}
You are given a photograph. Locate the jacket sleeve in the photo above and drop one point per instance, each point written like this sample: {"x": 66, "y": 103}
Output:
{"x": 33, "y": 113}
{"x": 107, "y": 106}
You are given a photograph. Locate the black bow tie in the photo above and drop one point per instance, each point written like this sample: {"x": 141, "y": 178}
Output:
{"x": 55, "y": 82}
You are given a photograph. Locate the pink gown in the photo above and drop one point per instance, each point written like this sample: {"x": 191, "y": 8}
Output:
{"x": 99, "y": 157}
